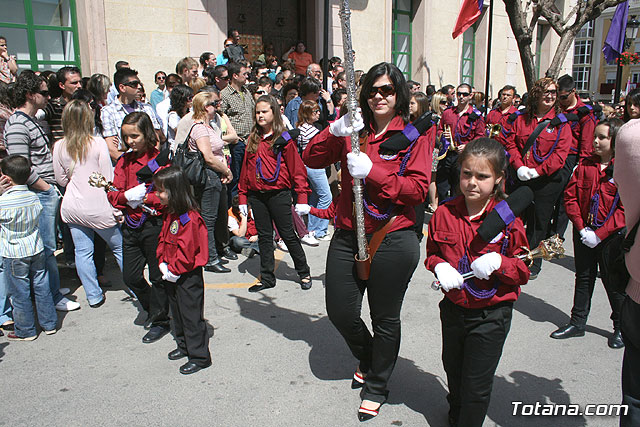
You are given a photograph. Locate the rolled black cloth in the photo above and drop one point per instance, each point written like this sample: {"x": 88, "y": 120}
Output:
{"x": 504, "y": 213}
{"x": 146, "y": 173}
{"x": 401, "y": 140}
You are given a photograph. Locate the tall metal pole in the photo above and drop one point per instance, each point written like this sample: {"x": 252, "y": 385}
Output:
{"x": 325, "y": 45}
{"x": 616, "y": 96}
{"x": 345, "y": 15}
{"x": 488, "y": 72}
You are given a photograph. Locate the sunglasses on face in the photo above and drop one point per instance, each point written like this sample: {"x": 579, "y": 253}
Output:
{"x": 384, "y": 91}
{"x": 213, "y": 103}
{"x": 316, "y": 111}
{"x": 261, "y": 92}
{"x": 462, "y": 94}
{"x": 443, "y": 102}
{"x": 132, "y": 83}
{"x": 44, "y": 93}
{"x": 565, "y": 96}
{"x": 550, "y": 93}
{"x": 160, "y": 78}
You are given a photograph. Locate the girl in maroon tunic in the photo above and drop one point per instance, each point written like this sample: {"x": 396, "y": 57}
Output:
{"x": 271, "y": 167}
{"x": 594, "y": 207}
{"x": 475, "y": 314}
{"x": 183, "y": 250}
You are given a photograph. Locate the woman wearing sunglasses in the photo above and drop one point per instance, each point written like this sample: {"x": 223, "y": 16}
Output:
{"x": 396, "y": 178}
{"x": 538, "y": 161}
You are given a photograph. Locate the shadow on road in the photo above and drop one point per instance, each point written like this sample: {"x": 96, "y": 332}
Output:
{"x": 2, "y": 347}
{"x": 529, "y": 389}
{"x": 330, "y": 359}
{"x": 539, "y": 310}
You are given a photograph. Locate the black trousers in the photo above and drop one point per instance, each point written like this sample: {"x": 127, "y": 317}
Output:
{"x": 139, "y": 249}
{"x": 587, "y": 261}
{"x": 391, "y": 270}
{"x": 448, "y": 176}
{"x": 275, "y": 206}
{"x": 630, "y": 326}
{"x": 560, "y": 220}
{"x": 537, "y": 217}
{"x": 210, "y": 204}
{"x": 186, "y": 298}
{"x": 472, "y": 342}
{"x": 419, "y": 226}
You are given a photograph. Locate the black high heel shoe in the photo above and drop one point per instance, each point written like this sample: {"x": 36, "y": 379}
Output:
{"x": 365, "y": 414}
{"x": 357, "y": 381}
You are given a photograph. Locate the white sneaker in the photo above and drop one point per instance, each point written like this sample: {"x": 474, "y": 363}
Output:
{"x": 51, "y": 332}
{"x": 309, "y": 240}
{"x": 64, "y": 291}
{"x": 280, "y": 244}
{"x": 66, "y": 304}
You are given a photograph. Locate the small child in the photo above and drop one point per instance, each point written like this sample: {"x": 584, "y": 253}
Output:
{"x": 183, "y": 250}
{"x": 244, "y": 235}
{"x": 475, "y": 314}
{"x": 22, "y": 252}
{"x": 593, "y": 205}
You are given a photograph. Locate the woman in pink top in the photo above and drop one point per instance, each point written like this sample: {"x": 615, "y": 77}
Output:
{"x": 213, "y": 198}
{"x": 85, "y": 208}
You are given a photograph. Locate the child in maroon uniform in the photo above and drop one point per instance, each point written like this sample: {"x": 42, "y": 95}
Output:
{"x": 476, "y": 313}
{"x": 271, "y": 167}
{"x": 141, "y": 227}
{"x": 594, "y": 207}
{"x": 182, "y": 252}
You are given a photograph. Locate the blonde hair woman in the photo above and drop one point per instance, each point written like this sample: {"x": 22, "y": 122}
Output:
{"x": 85, "y": 208}
{"x": 213, "y": 198}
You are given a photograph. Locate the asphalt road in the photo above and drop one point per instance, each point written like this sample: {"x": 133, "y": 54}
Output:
{"x": 278, "y": 361}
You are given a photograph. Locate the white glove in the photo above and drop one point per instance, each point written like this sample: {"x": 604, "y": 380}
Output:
{"x": 533, "y": 174}
{"x": 134, "y": 205}
{"x": 164, "y": 268}
{"x": 523, "y": 173}
{"x": 136, "y": 194}
{"x": 448, "y": 276}
{"x": 170, "y": 277}
{"x": 589, "y": 238}
{"x": 486, "y": 264}
{"x": 302, "y": 208}
{"x": 243, "y": 210}
{"x": 343, "y": 126}
{"x": 359, "y": 165}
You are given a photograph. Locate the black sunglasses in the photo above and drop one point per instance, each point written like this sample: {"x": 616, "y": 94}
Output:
{"x": 384, "y": 91}
{"x": 160, "y": 78}
{"x": 44, "y": 93}
{"x": 213, "y": 103}
{"x": 565, "y": 96}
{"x": 261, "y": 92}
{"x": 132, "y": 83}
{"x": 551, "y": 92}
{"x": 462, "y": 94}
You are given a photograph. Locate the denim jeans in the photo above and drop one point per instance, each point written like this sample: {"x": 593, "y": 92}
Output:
{"x": 5, "y": 305}
{"x": 85, "y": 266}
{"x": 237, "y": 157}
{"x": 237, "y": 244}
{"x": 320, "y": 198}
{"x": 47, "y": 225}
{"x": 22, "y": 274}
{"x": 210, "y": 203}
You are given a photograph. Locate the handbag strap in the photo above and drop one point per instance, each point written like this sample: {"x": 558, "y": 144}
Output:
{"x": 185, "y": 145}
{"x": 532, "y": 138}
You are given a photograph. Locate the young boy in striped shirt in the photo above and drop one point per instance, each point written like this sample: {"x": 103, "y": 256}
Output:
{"x": 22, "y": 251}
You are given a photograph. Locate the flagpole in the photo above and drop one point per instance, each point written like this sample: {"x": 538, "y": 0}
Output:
{"x": 488, "y": 72}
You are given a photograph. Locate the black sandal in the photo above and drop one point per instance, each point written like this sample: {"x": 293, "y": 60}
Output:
{"x": 305, "y": 283}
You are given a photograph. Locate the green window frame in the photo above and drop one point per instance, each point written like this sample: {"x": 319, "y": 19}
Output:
{"x": 33, "y": 62}
{"x": 397, "y": 53}
{"x": 468, "y": 62}
{"x": 539, "y": 40}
